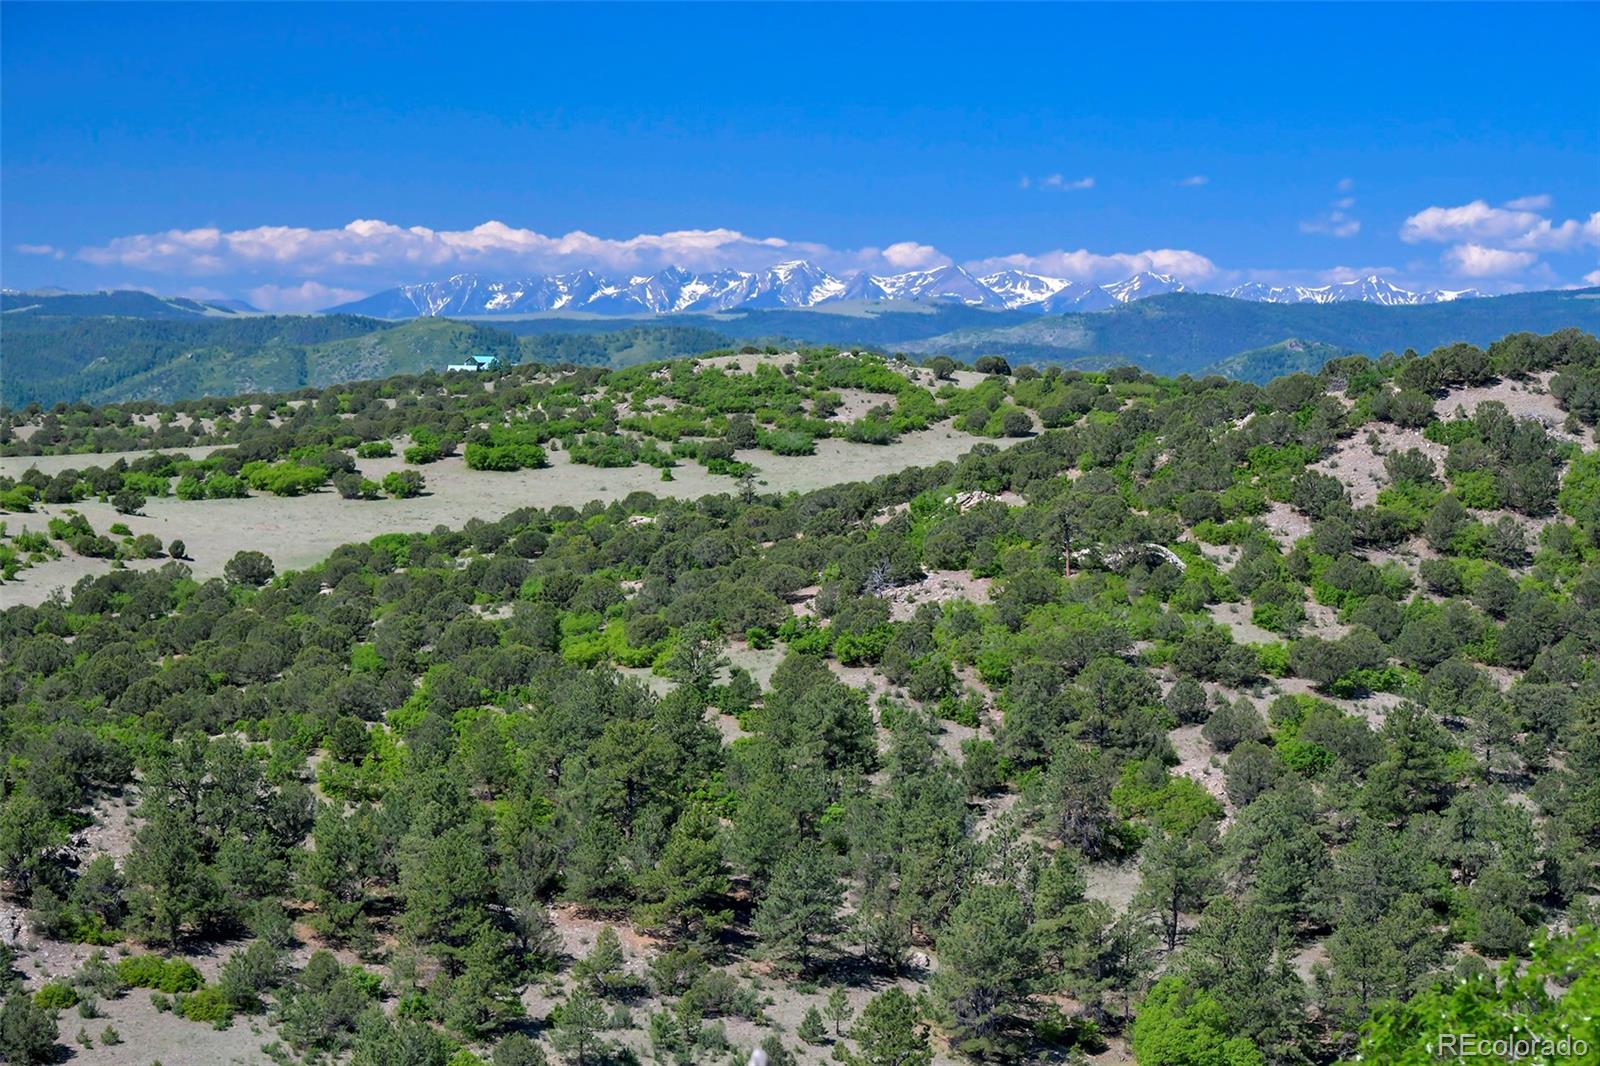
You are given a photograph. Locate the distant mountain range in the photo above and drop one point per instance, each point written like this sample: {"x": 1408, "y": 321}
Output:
{"x": 1199, "y": 333}
{"x": 1368, "y": 290}
{"x": 106, "y": 347}
{"x": 800, "y": 285}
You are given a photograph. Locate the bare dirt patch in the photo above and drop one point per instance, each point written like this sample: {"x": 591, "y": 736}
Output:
{"x": 1236, "y": 616}
{"x": 855, "y": 403}
{"x": 152, "y": 1036}
{"x": 747, "y": 362}
{"x": 1286, "y": 524}
{"x": 1373, "y": 707}
{"x": 761, "y": 662}
{"x": 1359, "y": 464}
{"x": 1112, "y": 884}
{"x": 1200, "y": 762}
{"x": 1523, "y": 399}
{"x": 939, "y": 586}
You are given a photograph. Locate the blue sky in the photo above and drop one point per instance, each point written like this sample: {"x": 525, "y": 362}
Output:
{"x": 227, "y": 150}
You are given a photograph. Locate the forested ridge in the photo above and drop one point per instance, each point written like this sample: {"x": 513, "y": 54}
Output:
{"x": 1210, "y": 724}
{"x": 51, "y": 355}
{"x": 1194, "y": 332}
{"x": 50, "y": 359}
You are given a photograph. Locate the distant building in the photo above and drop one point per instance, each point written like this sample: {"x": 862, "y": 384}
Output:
{"x": 479, "y": 362}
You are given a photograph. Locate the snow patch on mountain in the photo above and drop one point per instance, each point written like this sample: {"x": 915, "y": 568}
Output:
{"x": 1370, "y": 289}
{"x": 801, "y": 284}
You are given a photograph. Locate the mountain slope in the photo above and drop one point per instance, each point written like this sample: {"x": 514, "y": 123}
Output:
{"x": 1185, "y": 332}
{"x": 1261, "y": 365}
{"x": 108, "y": 359}
{"x": 622, "y": 347}
{"x": 124, "y": 303}
{"x": 412, "y": 348}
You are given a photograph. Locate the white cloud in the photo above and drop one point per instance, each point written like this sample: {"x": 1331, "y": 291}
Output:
{"x": 1592, "y": 278}
{"x": 1505, "y": 226}
{"x": 1337, "y": 222}
{"x": 49, "y": 250}
{"x": 1195, "y": 180}
{"x": 1529, "y": 203}
{"x": 1057, "y": 181}
{"x": 1084, "y": 265}
{"x": 367, "y": 244}
{"x": 909, "y": 255}
{"x": 307, "y": 296}
{"x": 300, "y": 268}
{"x": 1333, "y": 224}
{"x": 1476, "y": 261}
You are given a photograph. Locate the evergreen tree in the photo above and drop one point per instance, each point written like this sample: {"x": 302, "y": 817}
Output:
{"x": 1369, "y": 962}
{"x": 838, "y": 1009}
{"x": 798, "y": 918}
{"x": 811, "y": 1030}
{"x": 402, "y": 1042}
{"x": 447, "y": 886}
{"x": 1176, "y": 872}
{"x": 602, "y": 969}
{"x": 1237, "y": 954}
{"x": 173, "y": 889}
{"x": 890, "y": 1033}
{"x": 333, "y": 872}
{"x": 1415, "y": 774}
{"x": 1121, "y": 962}
{"x": 518, "y": 1050}
{"x": 988, "y": 967}
{"x": 685, "y": 892}
{"x": 1076, "y": 798}
{"x": 27, "y": 1032}
{"x": 483, "y": 997}
{"x": 578, "y": 1026}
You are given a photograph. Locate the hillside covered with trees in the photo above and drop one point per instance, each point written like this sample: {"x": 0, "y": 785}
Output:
{"x": 1208, "y": 723}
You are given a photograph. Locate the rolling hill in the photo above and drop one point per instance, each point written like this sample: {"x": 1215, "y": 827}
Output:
{"x": 47, "y": 359}
{"x": 1261, "y": 365}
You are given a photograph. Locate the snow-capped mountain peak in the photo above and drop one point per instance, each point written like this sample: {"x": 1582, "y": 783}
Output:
{"x": 1018, "y": 288}
{"x": 1142, "y": 285}
{"x": 799, "y": 283}
{"x": 1370, "y": 289}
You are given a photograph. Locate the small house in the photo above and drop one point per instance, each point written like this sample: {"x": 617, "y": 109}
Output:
{"x": 478, "y": 362}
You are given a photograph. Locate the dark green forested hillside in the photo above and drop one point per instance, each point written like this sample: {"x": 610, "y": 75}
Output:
{"x": 411, "y": 348}
{"x": 61, "y": 359}
{"x": 620, "y": 347}
{"x": 101, "y": 360}
{"x": 1261, "y": 365}
{"x": 1184, "y": 332}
